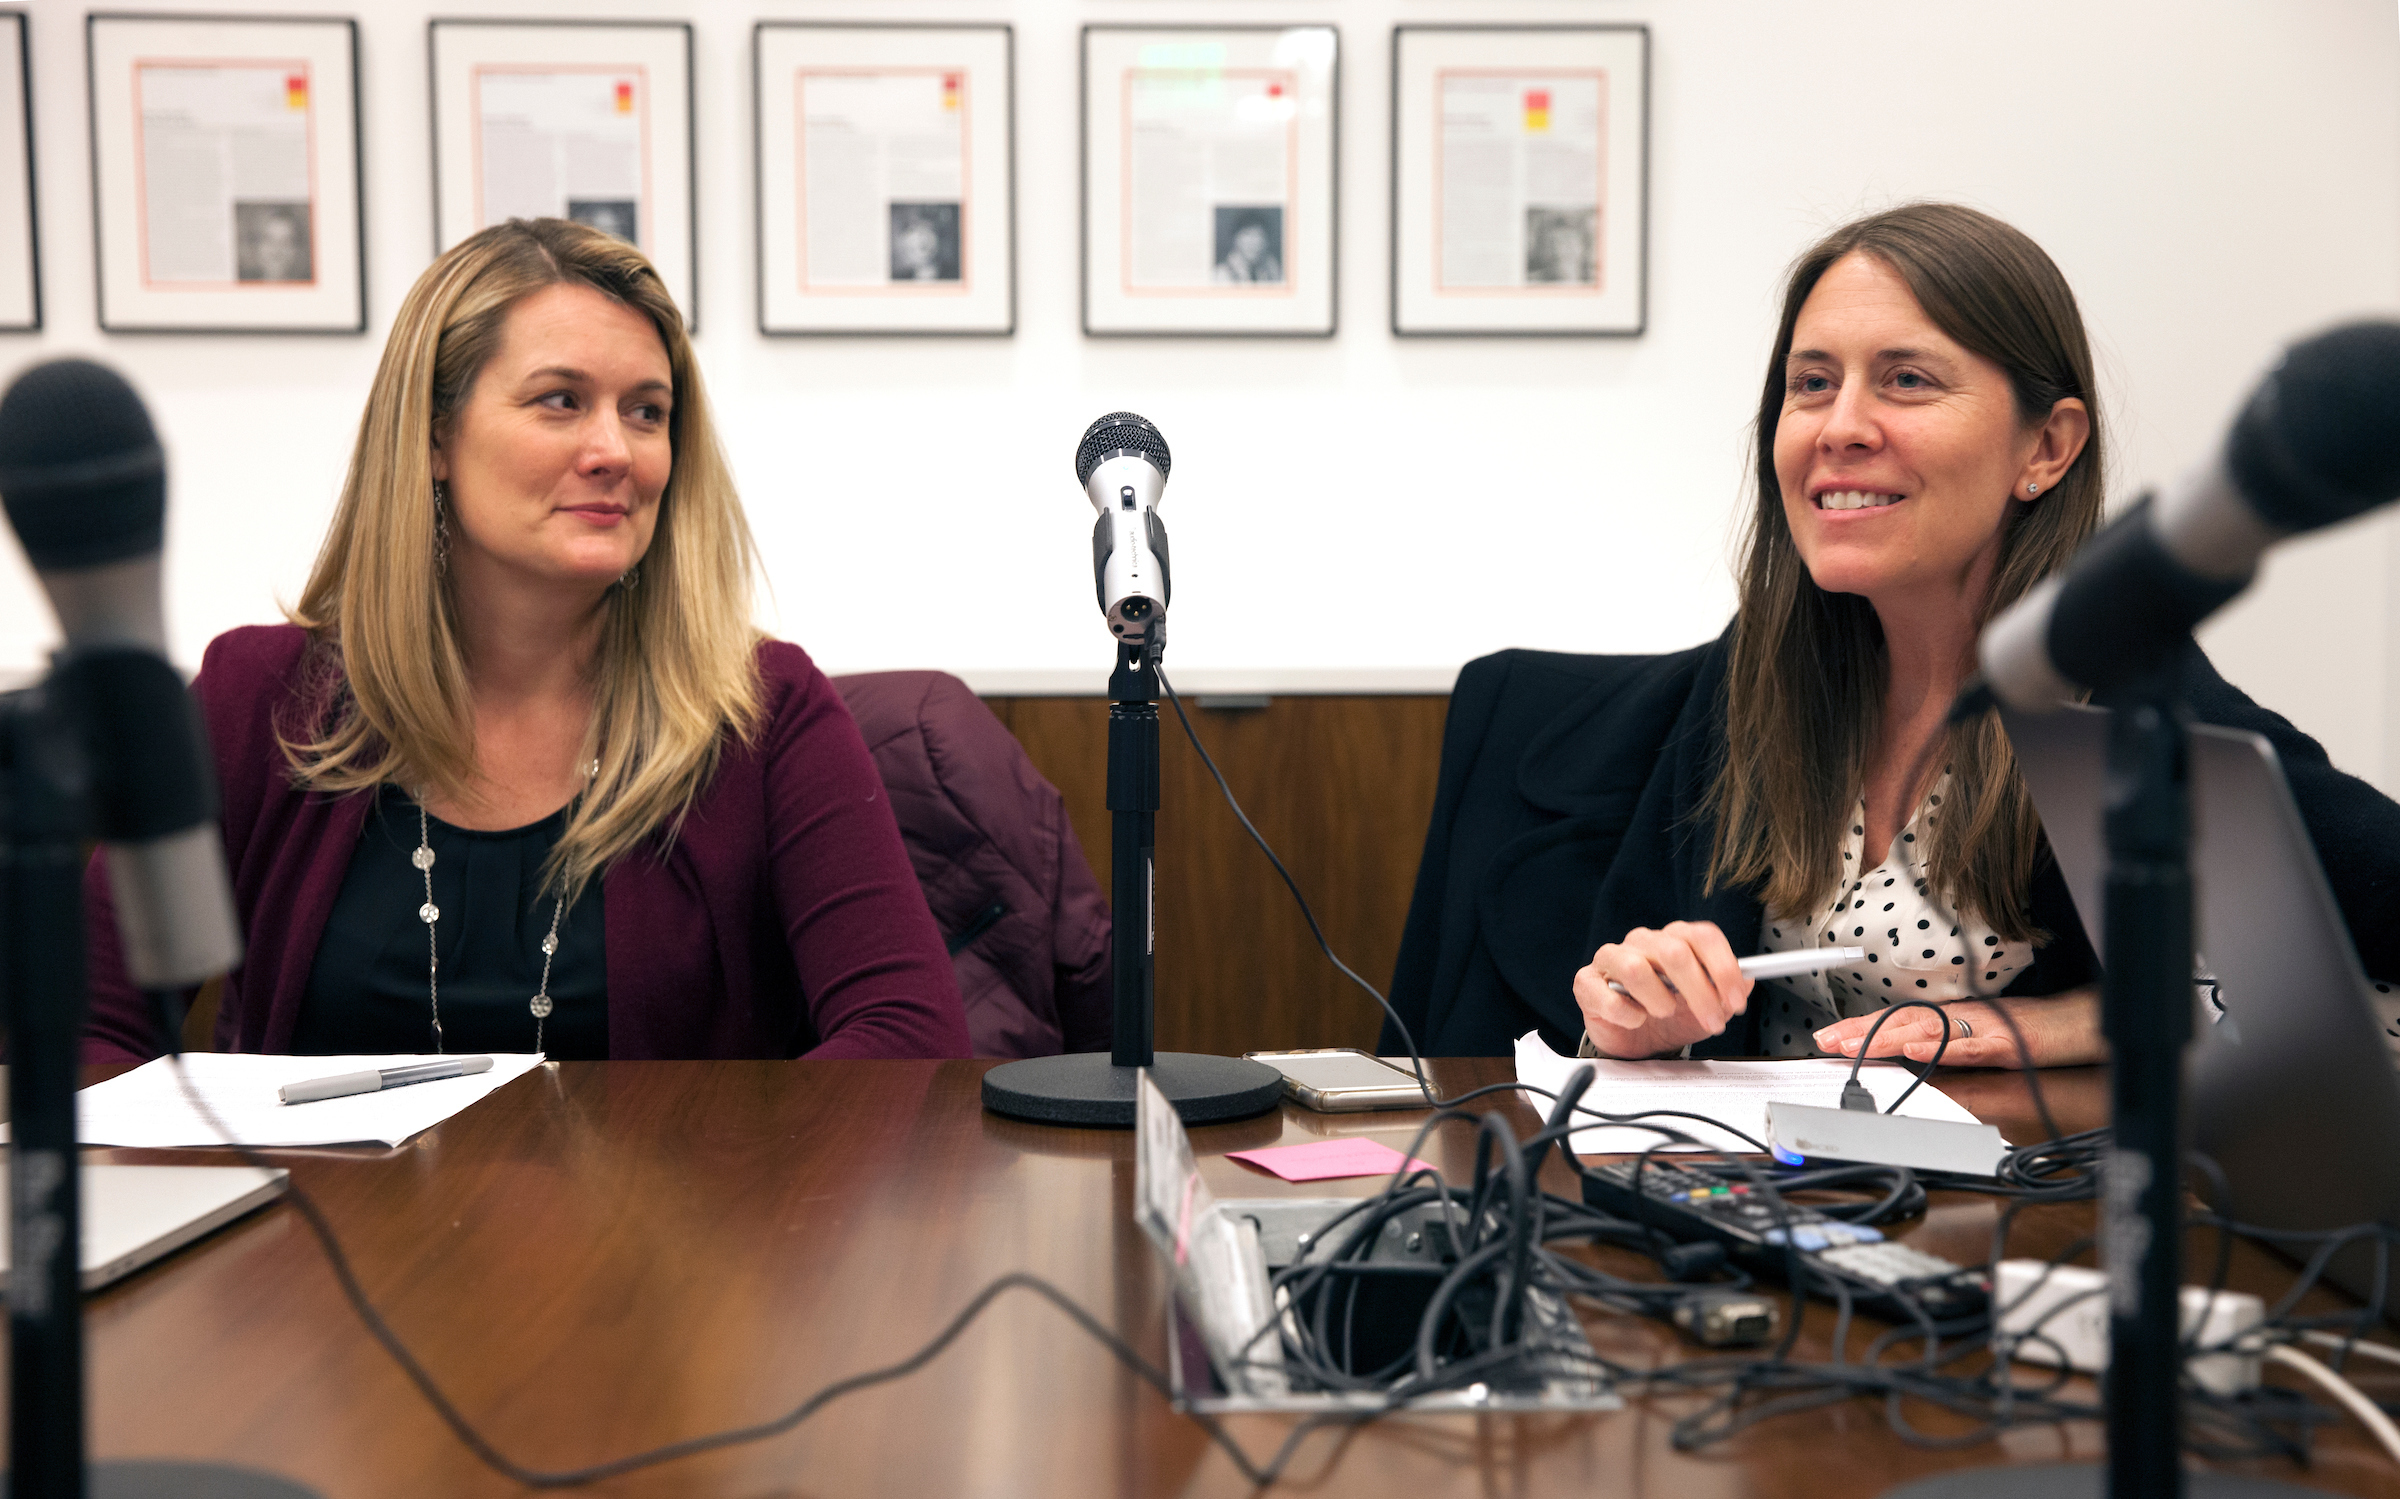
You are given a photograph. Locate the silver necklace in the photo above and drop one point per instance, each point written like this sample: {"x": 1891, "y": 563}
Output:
{"x": 431, "y": 915}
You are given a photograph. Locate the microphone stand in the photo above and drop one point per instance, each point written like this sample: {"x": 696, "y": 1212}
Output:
{"x": 1087, "y": 1088}
{"x": 42, "y": 1000}
{"x": 2146, "y": 1013}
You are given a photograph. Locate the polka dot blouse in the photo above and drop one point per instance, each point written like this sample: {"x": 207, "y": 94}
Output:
{"x": 1917, "y": 947}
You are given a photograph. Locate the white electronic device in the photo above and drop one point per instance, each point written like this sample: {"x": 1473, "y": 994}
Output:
{"x": 2058, "y": 1314}
{"x": 1798, "y": 1133}
{"x": 133, "y": 1215}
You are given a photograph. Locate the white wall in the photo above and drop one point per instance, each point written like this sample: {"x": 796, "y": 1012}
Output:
{"x": 2215, "y": 176}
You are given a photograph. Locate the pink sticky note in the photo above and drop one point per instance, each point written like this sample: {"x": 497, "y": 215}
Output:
{"x": 1322, "y": 1160}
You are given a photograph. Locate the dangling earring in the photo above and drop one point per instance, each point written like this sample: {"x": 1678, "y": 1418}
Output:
{"x": 441, "y": 527}
{"x": 631, "y": 578}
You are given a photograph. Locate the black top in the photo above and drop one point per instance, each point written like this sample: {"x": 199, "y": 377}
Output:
{"x": 1572, "y": 808}
{"x": 367, "y": 991}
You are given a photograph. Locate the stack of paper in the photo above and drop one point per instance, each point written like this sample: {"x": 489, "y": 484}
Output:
{"x": 149, "y": 1107}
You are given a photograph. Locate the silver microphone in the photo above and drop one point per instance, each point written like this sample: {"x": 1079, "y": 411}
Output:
{"x": 1122, "y": 464}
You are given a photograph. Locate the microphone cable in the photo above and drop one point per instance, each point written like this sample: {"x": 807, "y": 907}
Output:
{"x": 1407, "y": 1038}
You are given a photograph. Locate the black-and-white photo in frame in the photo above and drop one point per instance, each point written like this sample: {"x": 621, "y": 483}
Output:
{"x": 226, "y": 167}
{"x": 886, "y": 178}
{"x": 1520, "y": 179}
{"x": 20, "y": 242}
{"x": 1210, "y": 180}
{"x": 583, "y": 120}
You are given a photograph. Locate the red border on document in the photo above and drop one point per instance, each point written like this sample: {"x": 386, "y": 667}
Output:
{"x": 644, "y": 210}
{"x": 966, "y": 186}
{"x": 141, "y": 184}
{"x": 1291, "y": 191}
{"x": 1600, "y": 191}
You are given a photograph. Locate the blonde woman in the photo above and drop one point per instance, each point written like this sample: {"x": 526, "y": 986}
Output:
{"x": 519, "y": 775}
{"x": 1612, "y": 832}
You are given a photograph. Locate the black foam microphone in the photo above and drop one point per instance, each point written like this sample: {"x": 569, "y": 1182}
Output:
{"x": 2318, "y": 443}
{"x": 1122, "y": 464}
{"x": 85, "y": 486}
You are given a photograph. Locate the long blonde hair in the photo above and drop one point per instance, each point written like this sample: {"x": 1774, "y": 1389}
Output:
{"x": 1804, "y": 689}
{"x": 676, "y": 669}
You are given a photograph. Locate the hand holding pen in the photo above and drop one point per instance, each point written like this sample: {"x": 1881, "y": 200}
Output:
{"x": 1659, "y": 990}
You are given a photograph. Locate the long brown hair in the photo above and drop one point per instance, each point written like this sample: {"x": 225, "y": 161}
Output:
{"x": 1805, "y": 687}
{"x": 676, "y": 665}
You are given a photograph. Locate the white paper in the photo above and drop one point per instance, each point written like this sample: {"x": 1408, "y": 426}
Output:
{"x": 227, "y": 174}
{"x": 148, "y": 1107}
{"x": 1521, "y": 181}
{"x": 883, "y": 188}
{"x": 565, "y": 143}
{"x": 1736, "y": 1093}
{"x": 1210, "y": 177}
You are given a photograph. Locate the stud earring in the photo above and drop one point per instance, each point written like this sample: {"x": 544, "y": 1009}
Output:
{"x": 2033, "y": 489}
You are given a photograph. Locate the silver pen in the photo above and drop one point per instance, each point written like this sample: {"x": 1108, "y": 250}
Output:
{"x": 1776, "y": 965}
{"x": 348, "y": 1083}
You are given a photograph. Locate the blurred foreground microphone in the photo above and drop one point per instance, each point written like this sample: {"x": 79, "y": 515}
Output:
{"x": 85, "y": 486}
{"x": 1122, "y": 465}
{"x": 2318, "y": 443}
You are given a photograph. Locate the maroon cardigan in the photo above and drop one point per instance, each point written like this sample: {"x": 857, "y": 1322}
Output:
{"x": 782, "y": 921}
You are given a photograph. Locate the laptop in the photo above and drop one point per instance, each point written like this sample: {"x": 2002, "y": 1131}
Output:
{"x": 133, "y": 1215}
{"x": 2292, "y": 1091}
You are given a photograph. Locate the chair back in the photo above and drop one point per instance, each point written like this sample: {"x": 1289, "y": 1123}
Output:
{"x": 998, "y": 859}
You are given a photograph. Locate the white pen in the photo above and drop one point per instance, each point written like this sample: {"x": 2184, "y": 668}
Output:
{"x": 319, "y": 1088}
{"x": 1776, "y": 965}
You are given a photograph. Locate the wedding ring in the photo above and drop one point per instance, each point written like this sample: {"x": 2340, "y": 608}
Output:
{"x": 1964, "y": 1030}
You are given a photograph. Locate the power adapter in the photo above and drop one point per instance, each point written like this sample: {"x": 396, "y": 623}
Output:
{"x": 2051, "y": 1314}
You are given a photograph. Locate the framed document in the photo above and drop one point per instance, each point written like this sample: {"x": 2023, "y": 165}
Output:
{"x": 1209, "y": 179}
{"x": 1520, "y": 179}
{"x": 20, "y": 249}
{"x": 582, "y": 120}
{"x": 886, "y": 178}
{"x": 225, "y": 165}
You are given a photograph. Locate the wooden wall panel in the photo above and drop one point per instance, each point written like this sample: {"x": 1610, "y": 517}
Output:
{"x": 1343, "y": 789}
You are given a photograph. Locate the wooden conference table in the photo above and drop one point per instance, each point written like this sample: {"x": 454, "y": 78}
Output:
{"x": 608, "y": 1256}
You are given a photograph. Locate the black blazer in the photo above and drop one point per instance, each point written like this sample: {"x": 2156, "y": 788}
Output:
{"x": 1571, "y": 810}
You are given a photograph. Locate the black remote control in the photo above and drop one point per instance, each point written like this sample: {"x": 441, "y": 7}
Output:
{"x": 1686, "y": 1205}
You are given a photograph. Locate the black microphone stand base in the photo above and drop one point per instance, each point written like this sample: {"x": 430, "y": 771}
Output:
{"x": 2080, "y": 1481}
{"x": 166, "y": 1480}
{"x": 1087, "y": 1088}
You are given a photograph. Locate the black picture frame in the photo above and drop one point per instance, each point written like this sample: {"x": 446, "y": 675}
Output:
{"x": 1641, "y": 322}
{"x": 690, "y": 302}
{"x": 358, "y": 162}
{"x": 1083, "y": 135}
{"x": 767, "y": 327}
{"x": 33, "y": 197}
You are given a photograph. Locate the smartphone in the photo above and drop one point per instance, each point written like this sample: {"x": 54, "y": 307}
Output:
{"x": 1343, "y": 1080}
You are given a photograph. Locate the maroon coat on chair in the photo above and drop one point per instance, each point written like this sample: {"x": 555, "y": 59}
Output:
{"x": 1025, "y": 920}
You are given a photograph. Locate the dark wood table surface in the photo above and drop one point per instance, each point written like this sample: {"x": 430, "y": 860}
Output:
{"x": 607, "y": 1256}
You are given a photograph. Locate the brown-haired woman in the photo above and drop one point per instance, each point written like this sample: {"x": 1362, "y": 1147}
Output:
{"x": 520, "y": 775}
{"x": 1612, "y": 831}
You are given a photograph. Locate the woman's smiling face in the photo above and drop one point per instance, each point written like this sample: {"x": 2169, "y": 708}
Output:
{"x": 556, "y": 460}
{"x": 1898, "y": 451}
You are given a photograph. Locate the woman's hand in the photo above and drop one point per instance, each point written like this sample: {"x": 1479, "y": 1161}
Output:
{"x": 2060, "y": 1031}
{"x": 1681, "y": 986}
